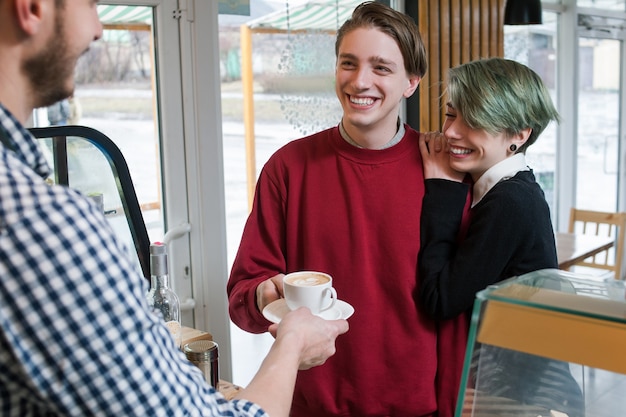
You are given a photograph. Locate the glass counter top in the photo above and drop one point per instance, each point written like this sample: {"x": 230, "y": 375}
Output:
{"x": 557, "y": 290}
{"x": 537, "y": 340}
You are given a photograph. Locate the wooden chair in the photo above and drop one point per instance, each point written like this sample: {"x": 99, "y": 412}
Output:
{"x": 602, "y": 224}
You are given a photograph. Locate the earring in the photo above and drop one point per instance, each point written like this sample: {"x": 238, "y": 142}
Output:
{"x": 513, "y": 147}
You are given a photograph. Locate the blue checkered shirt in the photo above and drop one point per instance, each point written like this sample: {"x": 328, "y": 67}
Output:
{"x": 76, "y": 335}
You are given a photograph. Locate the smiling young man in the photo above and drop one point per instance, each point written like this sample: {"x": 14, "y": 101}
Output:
{"x": 77, "y": 337}
{"x": 347, "y": 201}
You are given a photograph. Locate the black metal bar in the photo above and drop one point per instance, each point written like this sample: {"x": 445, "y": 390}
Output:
{"x": 59, "y": 155}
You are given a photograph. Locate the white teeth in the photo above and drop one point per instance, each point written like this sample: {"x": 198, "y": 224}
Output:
{"x": 459, "y": 151}
{"x": 361, "y": 101}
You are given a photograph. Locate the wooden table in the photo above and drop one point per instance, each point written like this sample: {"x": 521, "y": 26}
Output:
{"x": 572, "y": 248}
{"x": 228, "y": 389}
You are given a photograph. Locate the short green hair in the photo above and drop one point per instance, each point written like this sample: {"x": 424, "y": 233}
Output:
{"x": 500, "y": 95}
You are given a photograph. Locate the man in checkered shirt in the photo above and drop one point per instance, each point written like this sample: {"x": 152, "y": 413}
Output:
{"x": 76, "y": 334}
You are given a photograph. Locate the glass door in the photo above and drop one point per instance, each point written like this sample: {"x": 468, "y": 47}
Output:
{"x": 127, "y": 89}
{"x": 600, "y": 131}
{"x": 115, "y": 95}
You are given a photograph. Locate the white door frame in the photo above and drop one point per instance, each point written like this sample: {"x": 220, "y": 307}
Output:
{"x": 201, "y": 93}
{"x": 188, "y": 97}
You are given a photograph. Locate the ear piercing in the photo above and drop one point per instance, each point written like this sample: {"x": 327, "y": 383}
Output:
{"x": 513, "y": 147}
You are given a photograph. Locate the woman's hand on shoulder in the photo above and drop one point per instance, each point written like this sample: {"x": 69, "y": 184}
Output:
{"x": 436, "y": 157}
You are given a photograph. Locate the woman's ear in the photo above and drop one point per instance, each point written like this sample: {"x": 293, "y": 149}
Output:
{"x": 520, "y": 138}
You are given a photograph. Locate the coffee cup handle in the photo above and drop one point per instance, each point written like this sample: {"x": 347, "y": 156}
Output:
{"x": 333, "y": 298}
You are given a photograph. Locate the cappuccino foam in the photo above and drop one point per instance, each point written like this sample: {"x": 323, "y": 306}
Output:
{"x": 308, "y": 281}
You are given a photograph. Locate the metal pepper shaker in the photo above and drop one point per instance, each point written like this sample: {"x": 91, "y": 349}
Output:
{"x": 204, "y": 354}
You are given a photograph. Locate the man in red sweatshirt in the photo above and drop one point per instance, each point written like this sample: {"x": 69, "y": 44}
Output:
{"x": 347, "y": 201}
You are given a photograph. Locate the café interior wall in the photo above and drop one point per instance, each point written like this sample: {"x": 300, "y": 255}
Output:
{"x": 454, "y": 32}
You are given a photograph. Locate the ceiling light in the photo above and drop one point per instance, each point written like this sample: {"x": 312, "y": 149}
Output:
{"x": 522, "y": 12}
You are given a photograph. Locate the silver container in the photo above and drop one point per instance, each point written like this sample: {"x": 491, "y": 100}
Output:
{"x": 203, "y": 354}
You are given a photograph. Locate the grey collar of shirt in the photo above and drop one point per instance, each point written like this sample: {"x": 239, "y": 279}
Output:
{"x": 394, "y": 140}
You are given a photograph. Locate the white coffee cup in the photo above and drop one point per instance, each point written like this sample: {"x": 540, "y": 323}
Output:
{"x": 310, "y": 289}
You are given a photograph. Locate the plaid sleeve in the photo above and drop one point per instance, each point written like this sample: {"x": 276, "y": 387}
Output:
{"x": 76, "y": 335}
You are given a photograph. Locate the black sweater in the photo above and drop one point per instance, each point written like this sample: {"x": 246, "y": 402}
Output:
{"x": 510, "y": 233}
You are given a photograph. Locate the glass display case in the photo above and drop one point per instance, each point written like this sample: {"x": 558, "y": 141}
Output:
{"x": 547, "y": 343}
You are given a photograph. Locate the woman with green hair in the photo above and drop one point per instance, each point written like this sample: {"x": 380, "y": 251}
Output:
{"x": 495, "y": 110}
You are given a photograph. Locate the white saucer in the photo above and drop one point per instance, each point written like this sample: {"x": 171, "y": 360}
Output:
{"x": 275, "y": 311}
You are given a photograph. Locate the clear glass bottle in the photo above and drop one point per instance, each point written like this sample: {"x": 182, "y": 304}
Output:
{"x": 161, "y": 298}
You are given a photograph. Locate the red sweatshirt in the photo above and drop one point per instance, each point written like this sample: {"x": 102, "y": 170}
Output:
{"x": 323, "y": 204}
